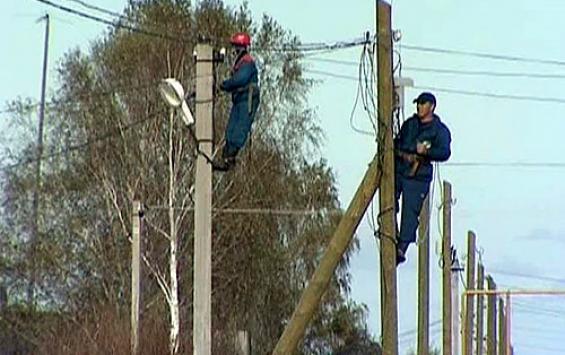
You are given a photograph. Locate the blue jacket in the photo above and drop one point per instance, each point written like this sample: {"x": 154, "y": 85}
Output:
{"x": 412, "y": 132}
{"x": 244, "y": 75}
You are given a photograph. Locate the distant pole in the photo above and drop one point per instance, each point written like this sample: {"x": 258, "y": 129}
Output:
{"x": 387, "y": 222}
{"x": 38, "y": 157}
{"x": 501, "y": 328}
{"x": 446, "y": 259}
{"x": 508, "y": 325}
{"x": 424, "y": 279}
{"x": 480, "y": 311}
{"x": 137, "y": 213}
{"x": 469, "y": 299}
{"x": 202, "y": 321}
{"x": 491, "y": 318}
{"x": 456, "y": 271}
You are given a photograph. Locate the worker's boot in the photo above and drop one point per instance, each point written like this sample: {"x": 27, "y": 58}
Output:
{"x": 401, "y": 248}
{"x": 226, "y": 162}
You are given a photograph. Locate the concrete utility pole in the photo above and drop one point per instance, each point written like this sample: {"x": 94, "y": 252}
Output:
{"x": 387, "y": 222}
{"x": 456, "y": 271}
{"x": 312, "y": 294}
{"x": 469, "y": 299}
{"x": 424, "y": 280}
{"x": 136, "y": 216}
{"x": 480, "y": 310}
{"x": 202, "y": 321}
{"x": 491, "y": 318}
{"x": 39, "y": 154}
{"x": 446, "y": 261}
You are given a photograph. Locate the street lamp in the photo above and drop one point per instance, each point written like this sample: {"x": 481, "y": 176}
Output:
{"x": 173, "y": 94}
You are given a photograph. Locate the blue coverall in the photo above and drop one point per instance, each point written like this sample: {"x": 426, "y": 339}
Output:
{"x": 243, "y": 83}
{"x": 414, "y": 189}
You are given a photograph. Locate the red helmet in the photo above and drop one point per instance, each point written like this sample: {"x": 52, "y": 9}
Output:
{"x": 241, "y": 39}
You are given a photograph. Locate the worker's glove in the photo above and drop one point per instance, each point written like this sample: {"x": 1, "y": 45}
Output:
{"x": 423, "y": 147}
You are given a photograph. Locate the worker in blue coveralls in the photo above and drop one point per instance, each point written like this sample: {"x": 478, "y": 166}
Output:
{"x": 243, "y": 85}
{"x": 422, "y": 139}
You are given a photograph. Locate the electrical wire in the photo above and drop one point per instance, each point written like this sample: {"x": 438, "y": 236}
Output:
{"x": 293, "y": 47}
{"x": 360, "y": 94}
{"x": 96, "y": 8}
{"x": 527, "y": 276}
{"x": 456, "y": 91}
{"x": 112, "y": 23}
{"x": 537, "y": 347}
{"x": 507, "y": 164}
{"x": 486, "y": 73}
{"x": 80, "y": 146}
{"x": 491, "y": 95}
{"x": 257, "y": 211}
{"x": 494, "y": 56}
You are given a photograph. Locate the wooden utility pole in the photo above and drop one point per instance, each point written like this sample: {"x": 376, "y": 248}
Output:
{"x": 508, "y": 327}
{"x": 501, "y": 328}
{"x": 424, "y": 279}
{"x": 39, "y": 155}
{"x": 446, "y": 261}
{"x": 202, "y": 320}
{"x": 387, "y": 222}
{"x": 312, "y": 294}
{"x": 480, "y": 310}
{"x": 491, "y": 318}
{"x": 469, "y": 299}
{"x": 456, "y": 271}
{"x": 136, "y": 216}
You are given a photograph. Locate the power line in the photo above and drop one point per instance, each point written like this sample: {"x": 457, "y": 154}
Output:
{"x": 492, "y": 95}
{"x": 494, "y": 56}
{"x": 92, "y": 94}
{"x": 537, "y": 312}
{"x": 304, "y": 47}
{"x": 528, "y": 308}
{"x": 80, "y": 146}
{"x": 454, "y": 91}
{"x": 330, "y": 74}
{"x": 259, "y": 211}
{"x": 506, "y": 164}
{"x": 486, "y": 73}
{"x": 111, "y": 23}
{"x": 517, "y": 346}
{"x": 333, "y": 61}
{"x": 415, "y": 330}
{"x": 97, "y": 8}
{"x": 527, "y": 276}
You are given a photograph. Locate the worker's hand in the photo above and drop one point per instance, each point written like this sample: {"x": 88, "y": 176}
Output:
{"x": 410, "y": 158}
{"x": 421, "y": 149}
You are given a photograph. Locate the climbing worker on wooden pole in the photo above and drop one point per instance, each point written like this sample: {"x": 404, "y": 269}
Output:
{"x": 422, "y": 139}
{"x": 243, "y": 85}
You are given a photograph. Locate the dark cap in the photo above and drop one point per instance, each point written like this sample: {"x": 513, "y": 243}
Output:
{"x": 425, "y": 97}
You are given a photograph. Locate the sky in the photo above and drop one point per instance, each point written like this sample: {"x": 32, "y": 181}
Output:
{"x": 516, "y": 212}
